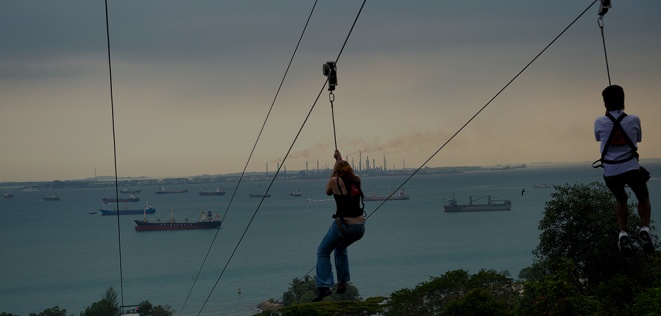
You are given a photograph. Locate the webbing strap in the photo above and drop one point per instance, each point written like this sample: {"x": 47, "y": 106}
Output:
{"x": 616, "y": 127}
{"x": 338, "y": 221}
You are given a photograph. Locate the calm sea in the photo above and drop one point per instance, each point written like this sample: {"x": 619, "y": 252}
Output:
{"x": 56, "y": 253}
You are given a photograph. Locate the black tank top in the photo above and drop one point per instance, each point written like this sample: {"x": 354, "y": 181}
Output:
{"x": 348, "y": 205}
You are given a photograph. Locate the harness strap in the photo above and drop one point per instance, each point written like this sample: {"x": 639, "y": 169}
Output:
{"x": 616, "y": 127}
{"x": 339, "y": 220}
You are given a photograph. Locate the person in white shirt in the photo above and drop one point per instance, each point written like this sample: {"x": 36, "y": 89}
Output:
{"x": 620, "y": 162}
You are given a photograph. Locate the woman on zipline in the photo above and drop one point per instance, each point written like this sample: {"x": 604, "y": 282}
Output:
{"x": 348, "y": 227}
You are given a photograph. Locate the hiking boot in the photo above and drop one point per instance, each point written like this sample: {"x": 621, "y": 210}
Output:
{"x": 341, "y": 287}
{"x": 321, "y": 293}
{"x": 625, "y": 245}
{"x": 646, "y": 237}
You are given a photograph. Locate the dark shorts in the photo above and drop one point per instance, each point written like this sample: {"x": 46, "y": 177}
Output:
{"x": 631, "y": 178}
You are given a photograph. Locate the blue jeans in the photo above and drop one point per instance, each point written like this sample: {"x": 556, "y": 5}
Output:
{"x": 335, "y": 241}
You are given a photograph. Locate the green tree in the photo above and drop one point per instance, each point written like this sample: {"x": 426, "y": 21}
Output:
{"x": 107, "y": 306}
{"x": 577, "y": 268}
{"x": 579, "y": 225}
{"x": 297, "y": 301}
{"x": 647, "y": 303}
{"x": 370, "y": 306}
{"x": 53, "y": 311}
{"x": 303, "y": 290}
{"x": 478, "y": 302}
{"x": 163, "y": 310}
{"x": 559, "y": 293}
{"x": 434, "y": 296}
{"x": 145, "y": 308}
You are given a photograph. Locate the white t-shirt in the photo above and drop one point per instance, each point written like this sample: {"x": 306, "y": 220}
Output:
{"x": 602, "y": 129}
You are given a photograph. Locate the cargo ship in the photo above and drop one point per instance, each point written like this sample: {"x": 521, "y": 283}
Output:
{"x": 491, "y": 205}
{"x": 217, "y": 192}
{"x": 127, "y": 211}
{"x": 259, "y": 195}
{"x": 127, "y": 191}
{"x": 401, "y": 195}
{"x": 207, "y": 221}
{"x": 161, "y": 190}
{"x": 131, "y": 198}
{"x": 52, "y": 197}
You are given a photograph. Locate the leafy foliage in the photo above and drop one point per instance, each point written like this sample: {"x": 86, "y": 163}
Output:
{"x": 297, "y": 301}
{"x": 457, "y": 290}
{"x": 558, "y": 294}
{"x": 303, "y": 290}
{"x": 371, "y": 306}
{"x": 478, "y": 302}
{"x": 53, "y": 311}
{"x": 147, "y": 309}
{"x": 107, "y": 306}
{"x": 578, "y": 269}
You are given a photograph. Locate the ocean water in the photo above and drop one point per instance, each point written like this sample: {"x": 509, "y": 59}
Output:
{"x": 55, "y": 253}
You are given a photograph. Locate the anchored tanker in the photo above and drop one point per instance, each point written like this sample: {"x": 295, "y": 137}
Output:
{"x": 204, "y": 222}
{"x": 491, "y": 205}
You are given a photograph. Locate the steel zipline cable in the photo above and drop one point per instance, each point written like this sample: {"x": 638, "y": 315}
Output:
{"x": 114, "y": 149}
{"x": 471, "y": 119}
{"x": 281, "y": 165}
{"x": 250, "y": 156}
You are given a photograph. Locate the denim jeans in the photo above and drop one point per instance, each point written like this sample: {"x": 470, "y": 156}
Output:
{"x": 335, "y": 241}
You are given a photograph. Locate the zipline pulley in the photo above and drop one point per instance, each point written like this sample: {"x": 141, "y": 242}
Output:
{"x": 603, "y": 7}
{"x": 330, "y": 71}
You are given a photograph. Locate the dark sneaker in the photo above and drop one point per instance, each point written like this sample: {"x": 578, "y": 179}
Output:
{"x": 625, "y": 245}
{"x": 321, "y": 293}
{"x": 341, "y": 288}
{"x": 648, "y": 245}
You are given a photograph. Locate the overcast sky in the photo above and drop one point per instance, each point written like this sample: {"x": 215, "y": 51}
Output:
{"x": 193, "y": 82}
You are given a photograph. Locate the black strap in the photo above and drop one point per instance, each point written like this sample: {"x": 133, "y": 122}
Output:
{"x": 339, "y": 221}
{"x": 347, "y": 184}
{"x": 616, "y": 127}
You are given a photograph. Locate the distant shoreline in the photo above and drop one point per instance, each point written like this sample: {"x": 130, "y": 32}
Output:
{"x": 104, "y": 181}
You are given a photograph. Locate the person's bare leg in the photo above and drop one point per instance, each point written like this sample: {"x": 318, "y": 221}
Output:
{"x": 621, "y": 214}
{"x": 645, "y": 212}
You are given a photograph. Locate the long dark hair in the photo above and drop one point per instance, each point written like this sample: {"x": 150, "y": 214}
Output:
{"x": 343, "y": 170}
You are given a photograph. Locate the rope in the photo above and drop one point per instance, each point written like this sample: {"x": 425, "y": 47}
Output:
{"x": 114, "y": 148}
{"x": 600, "y": 22}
